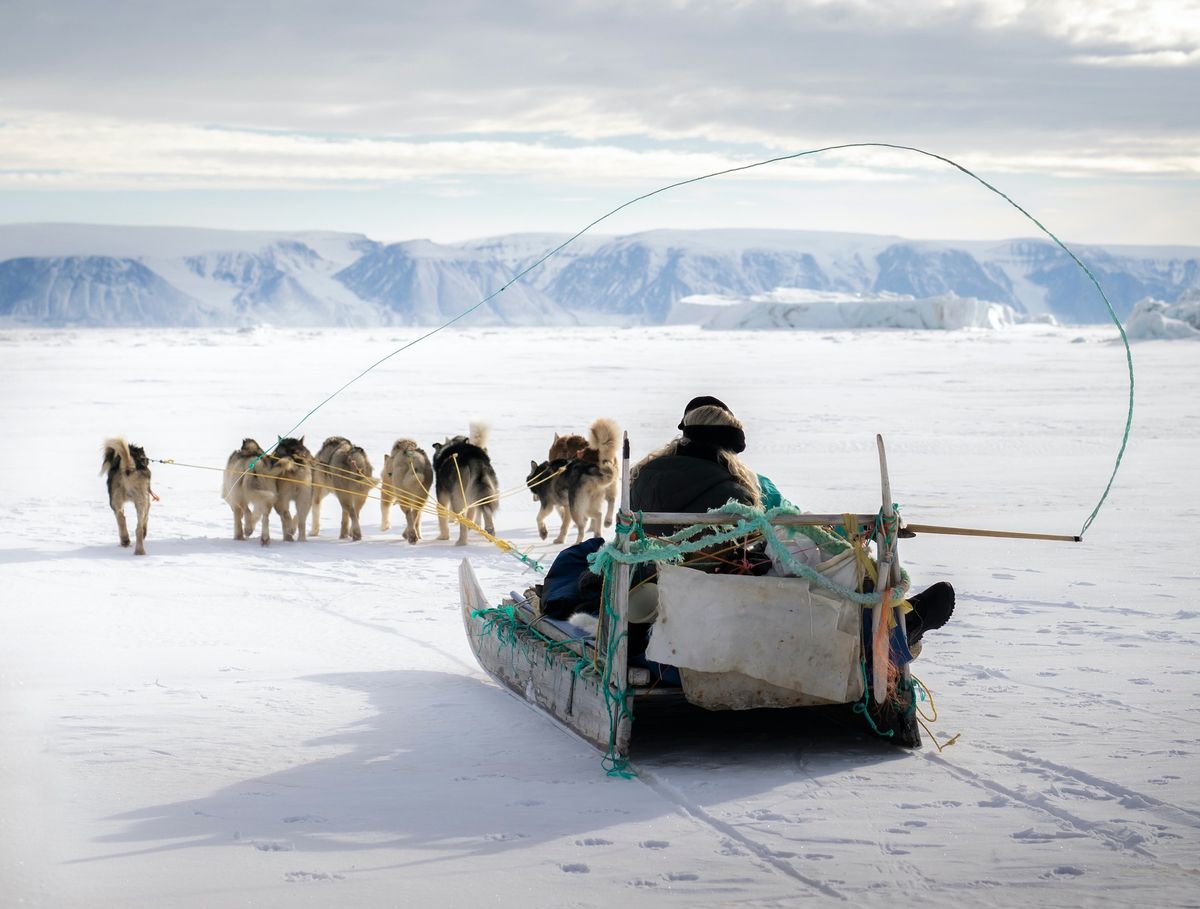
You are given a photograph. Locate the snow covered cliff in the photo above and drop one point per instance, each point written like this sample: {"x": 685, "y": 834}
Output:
{"x": 55, "y": 274}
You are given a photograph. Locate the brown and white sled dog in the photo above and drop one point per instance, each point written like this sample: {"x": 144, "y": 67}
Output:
{"x": 290, "y": 464}
{"x": 343, "y": 469}
{"x": 466, "y": 482}
{"x": 128, "y": 471}
{"x": 250, "y": 492}
{"x": 407, "y": 479}
{"x": 574, "y": 487}
{"x": 605, "y": 437}
{"x": 601, "y": 445}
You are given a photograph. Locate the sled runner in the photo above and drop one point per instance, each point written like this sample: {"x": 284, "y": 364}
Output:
{"x": 819, "y": 635}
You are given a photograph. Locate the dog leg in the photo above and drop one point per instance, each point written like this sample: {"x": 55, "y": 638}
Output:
{"x": 412, "y": 528}
{"x": 463, "y": 531}
{"x": 385, "y": 510}
{"x": 122, "y": 529}
{"x": 582, "y": 518}
{"x": 303, "y": 505}
{"x": 565, "y": 515}
{"x": 611, "y": 496}
{"x": 316, "y": 516}
{"x": 142, "y": 504}
{"x": 443, "y": 521}
{"x": 265, "y": 538}
{"x": 344, "y": 532}
{"x": 541, "y": 520}
{"x": 238, "y": 522}
{"x": 285, "y": 519}
{"x": 487, "y": 519}
{"x": 355, "y": 527}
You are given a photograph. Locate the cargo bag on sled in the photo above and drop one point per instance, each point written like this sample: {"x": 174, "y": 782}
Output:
{"x": 742, "y": 642}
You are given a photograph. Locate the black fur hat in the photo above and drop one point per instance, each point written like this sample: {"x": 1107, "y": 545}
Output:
{"x": 725, "y": 432}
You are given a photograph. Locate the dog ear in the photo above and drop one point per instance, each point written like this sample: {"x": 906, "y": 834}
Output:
{"x": 557, "y": 437}
{"x": 533, "y": 466}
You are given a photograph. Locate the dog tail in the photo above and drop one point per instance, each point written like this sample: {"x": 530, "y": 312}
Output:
{"x": 479, "y": 435}
{"x": 605, "y": 436}
{"x": 116, "y": 454}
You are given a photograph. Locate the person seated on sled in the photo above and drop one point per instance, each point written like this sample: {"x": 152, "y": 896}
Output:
{"x": 700, "y": 469}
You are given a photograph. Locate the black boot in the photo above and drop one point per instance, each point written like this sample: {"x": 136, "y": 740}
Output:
{"x": 931, "y": 608}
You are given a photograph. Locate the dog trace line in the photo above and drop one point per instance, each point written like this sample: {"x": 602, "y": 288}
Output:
{"x": 745, "y": 167}
{"x": 429, "y": 507}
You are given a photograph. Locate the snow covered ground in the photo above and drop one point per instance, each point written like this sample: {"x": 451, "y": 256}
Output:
{"x": 220, "y": 724}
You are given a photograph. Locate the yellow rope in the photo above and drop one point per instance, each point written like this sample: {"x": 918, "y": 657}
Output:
{"x": 502, "y": 544}
{"x": 926, "y": 718}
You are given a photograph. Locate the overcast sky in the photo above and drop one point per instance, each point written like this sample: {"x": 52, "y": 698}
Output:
{"x": 451, "y": 120}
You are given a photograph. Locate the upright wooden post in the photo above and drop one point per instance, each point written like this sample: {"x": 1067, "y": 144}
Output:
{"x": 888, "y": 568}
{"x": 620, "y": 597}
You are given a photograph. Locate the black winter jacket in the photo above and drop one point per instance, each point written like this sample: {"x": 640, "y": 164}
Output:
{"x": 692, "y": 480}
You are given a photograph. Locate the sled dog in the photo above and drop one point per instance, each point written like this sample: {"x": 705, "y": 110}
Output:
{"x": 128, "y": 471}
{"x": 548, "y": 483}
{"x": 576, "y": 486}
{"x": 250, "y": 492}
{"x": 407, "y": 478}
{"x": 343, "y": 469}
{"x": 601, "y": 445}
{"x": 466, "y": 482}
{"x": 605, "y": 437}
{"x": 290, "y": 464}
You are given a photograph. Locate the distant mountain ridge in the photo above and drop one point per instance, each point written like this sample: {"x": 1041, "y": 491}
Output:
{"x": 88, "y": 275}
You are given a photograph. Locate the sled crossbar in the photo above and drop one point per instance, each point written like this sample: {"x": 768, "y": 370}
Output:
{"x": 784, "y": 520}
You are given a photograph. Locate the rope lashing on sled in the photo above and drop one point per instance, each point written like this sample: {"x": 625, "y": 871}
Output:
{"x": 616, "y": 691}
{"x": 747, "y": 520}
{"x": 537, "y": 263}
{"x": 503, "y": 622}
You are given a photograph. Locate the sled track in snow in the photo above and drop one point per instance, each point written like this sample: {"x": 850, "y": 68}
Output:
{"x": 989, "y": 673}
{"x": 730, "y": 832}
{"x": 1118, "y": 838}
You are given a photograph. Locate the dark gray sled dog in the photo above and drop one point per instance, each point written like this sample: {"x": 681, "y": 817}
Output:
{"x": 466, "y": 482}
{"x": 128, "y": 471}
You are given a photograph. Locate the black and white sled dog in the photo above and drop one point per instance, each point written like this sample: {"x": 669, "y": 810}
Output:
{"x": 343, "y": 469}
{"x": 407, "y": 479}
{"x": 250, "y": 491}
{"x": 128, "y": 471}
{"x": 578, "y": 487}
{"x": 466, "y": 482}
{"x": 600, "y": 446}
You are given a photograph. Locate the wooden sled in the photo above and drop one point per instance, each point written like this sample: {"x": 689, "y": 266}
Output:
{"x": 575, "y": 681}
